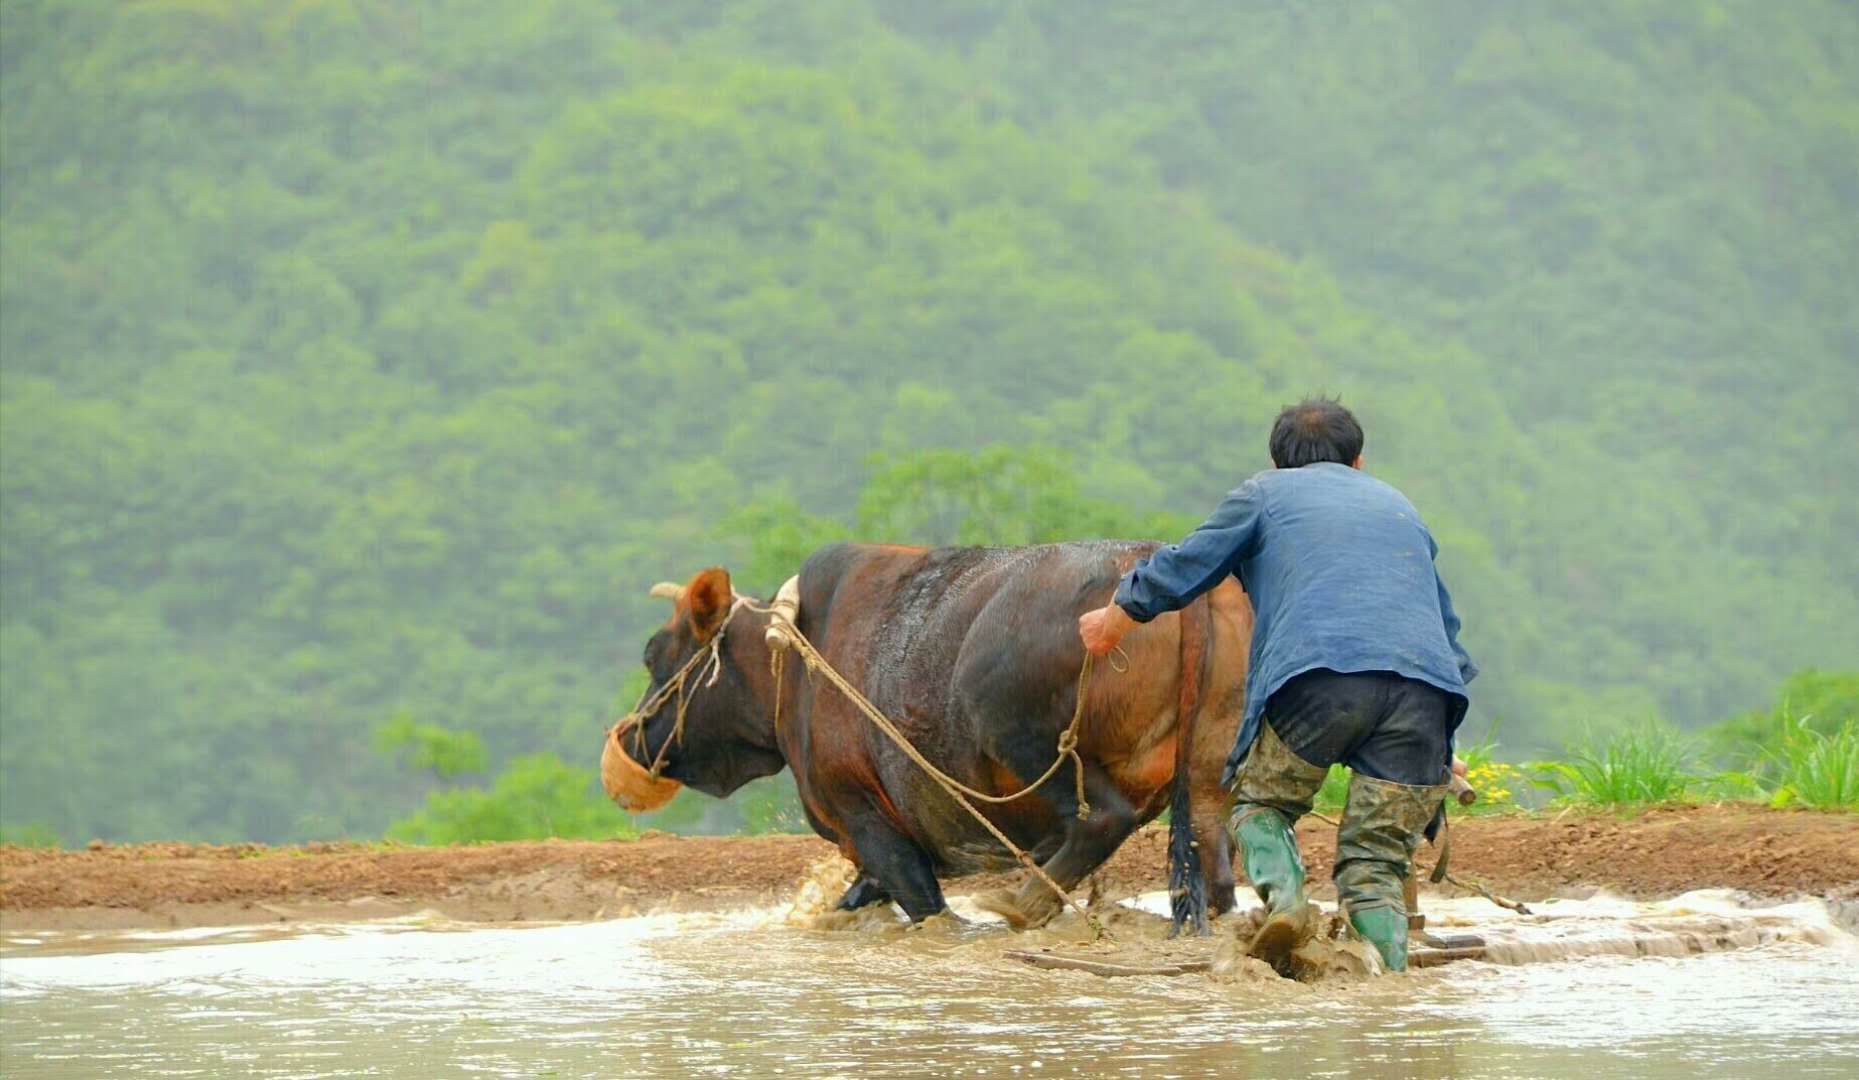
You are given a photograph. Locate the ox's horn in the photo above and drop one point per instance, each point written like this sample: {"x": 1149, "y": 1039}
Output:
{"x": 785, "y": 610}
{"x": 668, "y": 590}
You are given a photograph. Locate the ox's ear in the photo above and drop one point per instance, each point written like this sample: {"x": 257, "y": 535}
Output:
{"x": 710, "y": 597}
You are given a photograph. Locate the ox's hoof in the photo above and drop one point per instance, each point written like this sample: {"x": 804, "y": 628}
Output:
{"x": 1031, "y": 906}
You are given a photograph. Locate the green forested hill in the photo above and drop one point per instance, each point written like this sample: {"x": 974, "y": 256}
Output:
{"x": 369, "y": 359}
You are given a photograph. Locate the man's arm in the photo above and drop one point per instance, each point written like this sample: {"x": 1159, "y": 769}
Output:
{"x": 1174, "y": 576}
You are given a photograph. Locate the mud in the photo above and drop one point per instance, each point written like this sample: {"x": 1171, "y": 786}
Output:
{"x": 1660, "y": 853}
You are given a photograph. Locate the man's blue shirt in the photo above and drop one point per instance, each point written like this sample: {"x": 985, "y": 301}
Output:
{"x": 1340, "y": 570}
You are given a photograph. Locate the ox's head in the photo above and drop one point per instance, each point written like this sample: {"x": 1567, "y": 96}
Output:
{"x": 709, "y": 664}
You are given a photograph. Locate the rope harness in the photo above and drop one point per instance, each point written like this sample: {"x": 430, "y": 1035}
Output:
{"x": 706, "y": 665}
{"x": 791, "y": 636}
{"x": 710, "y": 659}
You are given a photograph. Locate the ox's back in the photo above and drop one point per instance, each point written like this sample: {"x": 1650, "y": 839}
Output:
{"x": 911, "y": 620}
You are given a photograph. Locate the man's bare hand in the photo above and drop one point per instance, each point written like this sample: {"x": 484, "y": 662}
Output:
{"x": 1459, "y": 767}
{"x": 1103, "y": 627}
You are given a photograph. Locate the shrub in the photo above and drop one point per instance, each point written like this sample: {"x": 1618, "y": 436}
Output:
{"x": 449, "y": 754}
{"x": 1819, "y": 701}
{"x": 538, "y": 796}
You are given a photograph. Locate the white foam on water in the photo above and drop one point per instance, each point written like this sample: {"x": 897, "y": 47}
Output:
{"x": 745, "y": 991}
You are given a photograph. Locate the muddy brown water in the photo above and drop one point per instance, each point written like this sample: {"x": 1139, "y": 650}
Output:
{"x": 768, "y": 992}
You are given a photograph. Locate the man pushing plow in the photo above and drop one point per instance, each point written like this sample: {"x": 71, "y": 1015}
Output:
{"x": 946, "y": 722}
{"x": 1355, "y": 658}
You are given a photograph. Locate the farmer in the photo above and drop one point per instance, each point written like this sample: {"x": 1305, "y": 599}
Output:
{"x": 1355, "y": 659}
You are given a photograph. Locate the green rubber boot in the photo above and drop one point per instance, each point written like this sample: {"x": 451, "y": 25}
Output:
{"x": 1386, "y": 929}
{"x": 1274, "y": 788}
{"x": 1277, "y": 872}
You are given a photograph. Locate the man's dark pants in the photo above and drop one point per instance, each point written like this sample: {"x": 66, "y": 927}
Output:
{"x": 1378, "y": 723}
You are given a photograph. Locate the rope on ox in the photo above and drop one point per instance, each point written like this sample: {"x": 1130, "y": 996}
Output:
{"x": 707, "y": 659}
{"x": 782, "y": 624}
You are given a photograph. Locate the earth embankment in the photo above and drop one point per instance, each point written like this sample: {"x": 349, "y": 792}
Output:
{"x": 1660, "y": 852}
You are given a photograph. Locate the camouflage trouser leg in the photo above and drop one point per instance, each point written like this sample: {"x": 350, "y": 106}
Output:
{"x": 1275, "y": 787}
{"x": 1274, "y": 778}
{"x": 1382, "y": 828}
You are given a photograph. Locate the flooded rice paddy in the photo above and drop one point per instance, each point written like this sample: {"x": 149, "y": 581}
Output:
{"x": 751, "y": 994}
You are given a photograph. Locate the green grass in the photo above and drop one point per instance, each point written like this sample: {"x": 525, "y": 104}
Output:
{"x": 1334, "y": 793}
{"x": 1643, "y": 764}
{"x": 1816, "y": 770}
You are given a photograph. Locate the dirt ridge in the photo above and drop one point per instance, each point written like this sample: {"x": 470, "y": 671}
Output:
{"x": 1661, "y": 852}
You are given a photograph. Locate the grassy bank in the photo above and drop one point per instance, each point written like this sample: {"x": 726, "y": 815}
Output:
{"x": 1648, "y": 765}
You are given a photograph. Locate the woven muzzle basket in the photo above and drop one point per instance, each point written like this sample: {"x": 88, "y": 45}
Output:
{"x": 628, "y": 782}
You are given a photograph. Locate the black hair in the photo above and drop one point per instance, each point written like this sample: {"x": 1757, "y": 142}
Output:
{"x": 1314, "y": 430}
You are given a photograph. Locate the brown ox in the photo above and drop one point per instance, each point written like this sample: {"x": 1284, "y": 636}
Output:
{"x": 974, "y": 653}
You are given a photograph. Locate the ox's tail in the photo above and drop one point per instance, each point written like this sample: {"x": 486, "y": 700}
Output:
{"x": 1187, "y": 885}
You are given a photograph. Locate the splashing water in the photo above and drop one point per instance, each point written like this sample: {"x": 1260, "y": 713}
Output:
{"x": 751, "y": 993}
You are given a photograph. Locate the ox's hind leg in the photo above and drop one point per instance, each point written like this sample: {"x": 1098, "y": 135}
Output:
{"x": 897, "y": 869}
{"x": 1088, "y": 842}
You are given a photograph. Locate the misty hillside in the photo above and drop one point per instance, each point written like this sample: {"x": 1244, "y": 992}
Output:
{"x": 372, "y": 359}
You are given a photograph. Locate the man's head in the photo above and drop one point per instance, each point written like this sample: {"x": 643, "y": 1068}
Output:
{"x": 1314, "y": 430}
